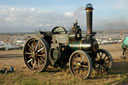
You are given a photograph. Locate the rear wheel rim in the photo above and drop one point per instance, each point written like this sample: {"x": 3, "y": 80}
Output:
{"x": 35, "y": 54}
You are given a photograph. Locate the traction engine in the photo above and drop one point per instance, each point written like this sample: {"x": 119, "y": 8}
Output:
{"x": 59, "y": 47}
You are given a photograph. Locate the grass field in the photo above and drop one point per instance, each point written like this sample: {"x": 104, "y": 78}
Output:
{"x": 22, "y": 76}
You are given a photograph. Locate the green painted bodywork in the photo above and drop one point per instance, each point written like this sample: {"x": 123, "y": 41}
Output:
{"x": 80, "y": 45}
{"x": 75, "y": 45}
{"x": 124, "y": 44}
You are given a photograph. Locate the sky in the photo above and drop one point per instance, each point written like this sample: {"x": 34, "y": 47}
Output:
{"x": 31, "y": 15}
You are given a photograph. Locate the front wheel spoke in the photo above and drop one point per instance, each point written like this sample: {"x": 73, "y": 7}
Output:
{"x": 106, "y": 65}
{"x": 96, "y": 61}
{"x": 75, "y": 68}
{"x": 95, "y": 65}
{"x": 105, "y": 68}
{"x": 101, "y": 56}
{"x": 80, "y": 72}
{"x": 98, "y": 68}
{"x": 79, "y": 59}
{"x": 107, "y": 61}
{"x": 75, "y": 60}
{"x": 105, "y": 57}
{"x": 76, "y": 57}
{"x": 101, "y": 69}
{"x": 74, "y": 63}
{"x": 85, "y": 66}
{"x": 98, "y": 57}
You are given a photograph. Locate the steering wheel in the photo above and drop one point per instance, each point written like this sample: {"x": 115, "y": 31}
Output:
{"x": 59, "y": 30}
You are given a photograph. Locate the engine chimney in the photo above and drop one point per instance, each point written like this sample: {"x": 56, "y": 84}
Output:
{"x": 89, "y": 13}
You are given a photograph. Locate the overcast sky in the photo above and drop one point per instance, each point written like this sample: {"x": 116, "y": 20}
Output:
{"x": 30, "y": 15}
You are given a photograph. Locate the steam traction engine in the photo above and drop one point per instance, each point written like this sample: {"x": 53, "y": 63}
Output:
{"x": 59, "y": 47}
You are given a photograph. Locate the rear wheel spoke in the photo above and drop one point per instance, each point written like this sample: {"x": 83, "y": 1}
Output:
{"x": 42, "y": 58}
{"x": 28, "y": 53}
{"x": 40, "y": 49}
{"x": 31, "y": 49}
{"x": 37, "y": 46}
{"x": 35, "y": 54}
{"x": 29, "y": 60}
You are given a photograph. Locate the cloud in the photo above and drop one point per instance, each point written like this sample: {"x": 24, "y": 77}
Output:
{"x": 69, "y": 14}
{"x": 32, "y": 9}
{"x": 29, "y": 19}
{"x": 121, "y": 4}
{"x": 78, "y": 12}
{"x": 111, "y": 24}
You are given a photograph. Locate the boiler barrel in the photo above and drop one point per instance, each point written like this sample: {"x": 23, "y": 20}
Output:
{"x": 80, "y": 45}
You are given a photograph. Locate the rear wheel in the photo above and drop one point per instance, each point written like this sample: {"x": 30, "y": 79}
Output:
{"x": 36, "y": 54}
{"x": 80, "y": 64}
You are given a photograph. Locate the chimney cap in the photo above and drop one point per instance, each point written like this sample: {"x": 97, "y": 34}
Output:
{"x": 89, "y": 6}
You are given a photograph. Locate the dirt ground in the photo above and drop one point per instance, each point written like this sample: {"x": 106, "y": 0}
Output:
{"x": 23, "y": 76}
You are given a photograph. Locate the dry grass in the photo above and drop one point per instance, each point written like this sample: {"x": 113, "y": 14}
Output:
{"x": 22, "y": 76}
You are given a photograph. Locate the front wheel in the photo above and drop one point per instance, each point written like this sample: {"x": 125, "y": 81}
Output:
{"x": 102, "y": 62}
{"x": 80, "y": 64}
